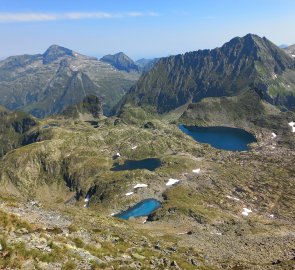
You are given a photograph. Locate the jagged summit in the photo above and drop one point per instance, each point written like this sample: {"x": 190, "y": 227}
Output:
{"x": 225, "y": 71}
{"x": 121, "y": 62}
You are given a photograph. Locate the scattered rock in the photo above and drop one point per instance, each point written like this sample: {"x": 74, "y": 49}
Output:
{"x": 138, "y": 257}
{"x": 158, "y": 246}
{"x": 194, "y": 262}
{"x": 276, "y": 262}
{"x": 149, "y": 125}
{"x": 175, "y": 265}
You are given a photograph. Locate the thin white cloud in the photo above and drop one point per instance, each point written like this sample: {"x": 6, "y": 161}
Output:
{"x": 38, "y": 17}
{"x": 135, "y": 14}
{"x": 27, "y": 17}
{"x": 153, "y": 14}
{"x": 89, "y": 15}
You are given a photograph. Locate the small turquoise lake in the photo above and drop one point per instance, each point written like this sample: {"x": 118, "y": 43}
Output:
{"x": 149, "y": 164}
{"x": 143, "y": 208}
{"x": 225, "y": 138}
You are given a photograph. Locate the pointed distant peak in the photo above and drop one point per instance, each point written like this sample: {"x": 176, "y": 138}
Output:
{"x": 121, "y": 54}
{"x": 54, "y": 52}
{"x": 252, "y": 36}
{"x": 116, "y": 56}
{"x": 56, "y": 49}
{"x": 252, "y": 44}
{"x": 249, "y": 38}
{"x": 120, "y": 61}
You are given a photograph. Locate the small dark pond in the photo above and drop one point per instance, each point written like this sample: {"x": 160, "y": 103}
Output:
{"x": 143, "y": 208}
{"x": 225, "y": 138}
{"x": 150, "y": 164}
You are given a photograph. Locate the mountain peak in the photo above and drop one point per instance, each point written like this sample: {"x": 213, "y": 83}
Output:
{"x": 120, "y": 61}
{"x": 54, "y": 52}
{"x": 224, "y": 71}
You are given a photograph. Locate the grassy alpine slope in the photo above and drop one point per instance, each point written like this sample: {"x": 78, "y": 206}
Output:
{"x": 200, "y": 224}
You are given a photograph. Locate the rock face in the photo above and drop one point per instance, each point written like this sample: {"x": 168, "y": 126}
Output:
{"x": 90, "y": 105}
{"x": 45, "y": 84}
{"x": 13, "y": 128}
{"x": 121, "y": 62}
{"x": 226, "y": 71}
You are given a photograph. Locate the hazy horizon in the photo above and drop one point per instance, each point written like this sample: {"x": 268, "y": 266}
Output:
{"x": 142, "y": 29}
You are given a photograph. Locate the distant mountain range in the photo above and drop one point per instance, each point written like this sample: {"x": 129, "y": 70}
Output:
{"x": 242, "y": 63}
{"x": 44, "y": 84}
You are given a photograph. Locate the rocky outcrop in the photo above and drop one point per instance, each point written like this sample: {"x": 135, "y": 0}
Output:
{"x": 91, "y": 105}
{"x": 13, "y": 129}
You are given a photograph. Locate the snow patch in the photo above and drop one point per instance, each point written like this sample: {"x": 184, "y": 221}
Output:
{"x": 216, "y": 233}
{"x": 246, "y": 211}
{"x": 171, "y": 182}
{"x": 233, "y": 198}
{"x": 140, "y": 186}
{"x": 197, "y": 170}
{"x": 292, "y": 125}
{"x": 129, "y": 193}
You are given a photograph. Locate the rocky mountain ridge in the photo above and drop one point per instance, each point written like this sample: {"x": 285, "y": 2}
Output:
{"x": 225, "y": 71}
{"x": 45, "y": 84}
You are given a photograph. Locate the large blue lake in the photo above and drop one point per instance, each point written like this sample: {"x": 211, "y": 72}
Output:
{"x": 149, "y": 163}
{"x": 144, "y": 208}
{"x": 232, "y": 139}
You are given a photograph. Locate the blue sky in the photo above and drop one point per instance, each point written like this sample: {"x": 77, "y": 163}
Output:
{"x": 140, "y": 28}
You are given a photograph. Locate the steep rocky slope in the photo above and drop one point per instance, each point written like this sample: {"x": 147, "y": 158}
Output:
{"x": 45, "y": 84}
{"x": 13, "y": 129}
{"x": 226, "y": 71}
{"x": 89, "y": 108}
